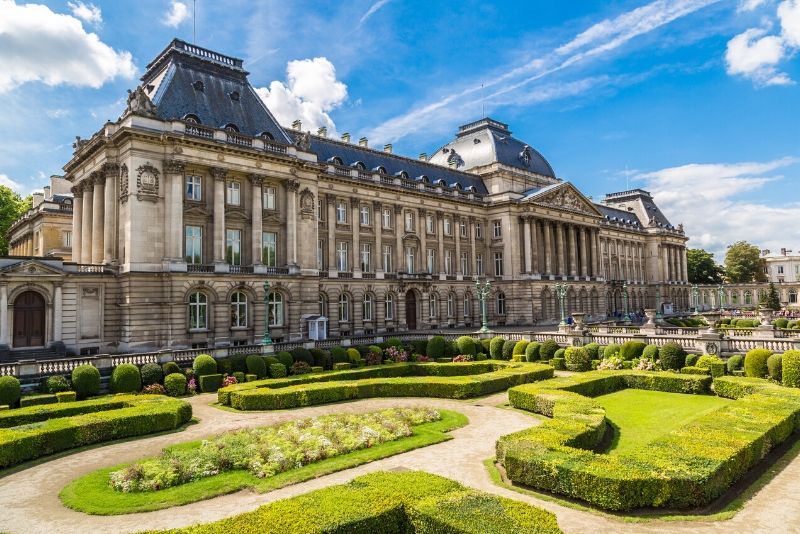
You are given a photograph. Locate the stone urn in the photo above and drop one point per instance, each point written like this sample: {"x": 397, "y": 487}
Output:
{"x": 650, "y": 324}
{"x": 765, "y": 315}
{"x": 711, "y": 318}
{"x": 579, "y": 317}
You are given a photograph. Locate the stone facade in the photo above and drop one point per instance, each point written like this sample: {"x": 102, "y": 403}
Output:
{"x": 46, "y": 229}
{"x": 195, "y": 196}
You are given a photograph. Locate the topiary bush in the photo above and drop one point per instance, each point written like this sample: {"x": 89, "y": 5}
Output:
{"x": 286, "y": 359}
{"x": 302, "y": 354}
{"x": 592, "y": 349}
{"x": 791, "y": 368}
{"x": 755, "y": 363}
{"x": 301, "y": 368}
{"x": 496, "y": 348}
{"x": 170, "y": 368}
{"x": 224, "y": 366}
{"x": 650, "y": 352}
{"x": 435, "y": 348}
{"x": 560, "y": 354}
{"x": 394, "y": 342}
{"x": 419, "y": 346}
{"x": 611, "y": 350}
{"x": 548, "y": 349}
{"x": 152, "y": 374}
{"x": 577, "y": 359}
{"x": 86, "y": 381}
{"x": 774, "y": 367}
{"x": 322, "y": 358}
{"x": 56, "y": 384}
{"x": 204, "y": 365}
{"x": 338, "y": 355}
{"x": 691, "y": 359}
{"x": 278, "y": 370}
{"x": 10, "y": 391}
{"x": 672, "y": 357}
{"x": 532, "y": 351}
{"x": 519, "y": 347}
{"x": 238, "y": 363}
{"x": 734, "y": 363}
{"x": 558, "y": 363}
{"x": 353, "y": 356}
{"x": 706, "y": 360}
{"x": 781, "y": 322}
{"x": 508, "y": 349}
{"x": 175, "y": 384}
{"x": 466, "y": 345}
{"x": 632, "y": 349}
{"x": 256, "y": 365}
{"x": 126, "y": 378}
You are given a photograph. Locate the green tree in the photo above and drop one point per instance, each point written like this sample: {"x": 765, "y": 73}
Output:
{"x": 743, "y": 264}
{"x": 12, "y": 206}
{"x": 771, "y": 300}
{"x": 701, "y": 267}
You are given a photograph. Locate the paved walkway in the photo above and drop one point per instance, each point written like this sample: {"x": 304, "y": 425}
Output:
{"x": 29, "y": 498}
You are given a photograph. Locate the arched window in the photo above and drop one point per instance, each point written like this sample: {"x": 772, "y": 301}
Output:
{"x": 748, "y": 298}
{"x": 501, "y": 304}
{"x": 191, "y": 118}
{"x": 344, "y": 307}
{"x": 451, "y": 305}
{"x": 367, "y": 307}
{"x": 238, "y": 310}
{"x": 323, "y": 305}
{"x": 232, "y": 127}
{"x": 433, "y": 300}
{"x": 275, "y": 309}
{"x": 792, "y": 296}
{"x": 266, "y": 136}
{"x": 198, "y": 311}
{"x": 389, "y": 307}
{"x": 734, "y": 297}
{"x": 467, "y": 305}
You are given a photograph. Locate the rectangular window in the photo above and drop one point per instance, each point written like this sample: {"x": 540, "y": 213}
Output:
{"x": 269, "y": 198}
{"x": 194, "y": 188}
{"x": 365, "y": 216}
{"x": 194, "y": 245}
{"x": 409, "y": 221}
{"x": 479, "y": 264}
{"x": 462, "y": 228}
{"x": 451, "y": 304}
{"x": 67, "y": 240}
{"x": 320, "y": 210}
{"x": 387, "y": 258}
{"x": 409, "y": 259}
{"x": 497, "y": 229}
{"x": 498, "y": 264}
{"x": 269, "y": 249}
{"x": 448, "y": 226}
{"x": 430, "y": 225}
{"x": 389, "y": 307}
{"x": 478, "y": 231}
{"x": 448, "y": 262}
{"x": 366, "y": 260}
{"x": 233, "y": 247}
{"x": 465, "y": 264}
{"x": 780, "y": 269}
{"x": 233, "y": 196}
{"x": 387, "y": 218}
{"x": 431, "y": 260}
{"x": 341, "y": 212}
{"x": 341, "y": 256}
{"x": 321, "y": 254}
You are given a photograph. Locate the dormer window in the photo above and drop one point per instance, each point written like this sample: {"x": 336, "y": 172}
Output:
{"x": 266, "y": 136}
{"x": 199, "y": 86}
{"x": 230, "y": 127}
{"x": 191, "y": 119}
{"x": 234, "y": 96}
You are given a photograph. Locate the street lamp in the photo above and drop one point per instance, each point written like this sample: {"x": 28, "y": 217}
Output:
{"x": 267, "y": 339}
{"x": 483, "y": 291}
{"x": 626, "y": 318}
{"x": 561, "y": 293}
{"x": 696, "y": 297}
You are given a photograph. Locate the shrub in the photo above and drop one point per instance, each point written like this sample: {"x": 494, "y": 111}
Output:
{"x": 558, "y": 363}
{"x": 632, "y": 349}
{"x": 420, "y": 346}
{"x": 170, "y": 368}
{"x": 126, "y": 378}
{"x": 256, "y": 365}
{"x": 651, "y": 353}
{"x": 592, "y": 349}
{"x": 485, "y": 345}
{"x": 338, "y": 355}
{"x": 781, "y": 322}
{"x": 175, "y": 384}
{"x": 774, "y": 367}
{"x": 548, "y": 349}
{"x": 496, "y": 348}
{"x": 300, "y": 368}
{"x": 229, "y": 380}
{"x": 224, "y": 366}
{"x": 85, "y": 381}
{"x": 204, "y": 365}
{"x": 693, "y": 370}
{"x": 152, "y": 374}
{"x": 577, "y": 359}
{"x": 353, "y": 356}
{"x": 302, "y": 354}
{"x": 343, "y": 366}
{"x": 532, "y": 351}
{"x": 755, "y": 363}
{"x": 278, "y": 370}
{"x": 238, "y": 363}
{"x": 285, "y": 358}
{"x": 519, "y": 347}
{"x": 36, "y": 400}
{"x": 508, "y": 349}
{"x": 791, "y": 368}
{"x": 56, "y": 384}
{"x": 154, "y": 389}
{"x": 611, "y": 349}
{"x": 559, "y": 353}
{"x": 252, "y": 378}
{"x": 705, "y": 361}
{"x": 466, "y": 345}
{"x": 210, "y": 383}
{"x": 238, "y": 376}
{"x": 317, "y": 369}
{"x": 735, "y": 363}
{"x": 394, "y": 342}
{"x": 691, "y": 359}
{"x": 322, "y": 358}
{"x": 66, "y": 396}
{"x": 610, "y": 364}
{"x": 435, "y": 348}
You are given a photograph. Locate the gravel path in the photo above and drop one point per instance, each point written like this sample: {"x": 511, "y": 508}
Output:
{"x": 29, "y": 498}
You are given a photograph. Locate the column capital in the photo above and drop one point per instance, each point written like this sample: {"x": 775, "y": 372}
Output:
{"x": 111, "y": 169}
{"x": 218, "y": 173}
{"x": 173, "y": 166}
{"x": 88, "y": 184}
{"x": 376, "y": 205}
{"x": 58, "y": 284}
{"x": 292, "y": 185}
{"x": 77, "y": 191}
{"x": 98, "y": 178}
{"x": 398, "y": 209}
{"x": 256, "y": 179}
{"x": 354, "y": 202}
{"x": 330, "y": 200}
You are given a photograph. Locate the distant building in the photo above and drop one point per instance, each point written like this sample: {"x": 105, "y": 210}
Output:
{"x": 782, "y": 267}
{"x": 46, "y": 229}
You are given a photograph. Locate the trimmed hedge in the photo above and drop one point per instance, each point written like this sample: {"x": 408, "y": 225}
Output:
{"x": 791, "y": 368}
{"x": 278, "y": 370}
{"x": 612, "y": 349}
{"x": 341, "y": 366}
{"x": 592, "y": 349}
{"x": 577, "y": 359}
{"x": 286, "y": 359}
{"x": 735, "y": 363}
{"x": 68, "y": 425}
{"x": 691, "y": 360}
{"x": 126, "y": 378}
{"x": 256, "y": 365}
{"x": 204, "y": 365}
{"x": 435, "y": 348}
{"x": 175, "y": 384}
{"x": 466, "y": 345}
{"x": 85, "y": 381}
{"x": 56, "y": 384}
{"x": 391, "y": 503}
{"x": 170, "y": 368}
{"x": 37, "y": 400}
{"x": 519, "y": 347}
{"x": 66, "y": 396}
{"x": 458, "y": 381}
{"x": 632, "y": 349}
{"x": 10, "y": 391}
{"x": 508, "y": 349}
{"x": 558, "y": 364}
{"x": 532, "y": 351}
{"x": 338, "y": 355}
{"x": 774, "y": 367}
{"x": 496, "y": 348}
{"x": 556, "y": 456}
{"x": 548, "y": 349}
{"x": 672, "y": 357}
{"x": 210, "y": 383}
{"x": 694, "y": 370}
{"x": 152, "y": 374}
{"x": 755, "y": 363}
{"x": 302, "y": 354}
{"x": 650, "y": 352}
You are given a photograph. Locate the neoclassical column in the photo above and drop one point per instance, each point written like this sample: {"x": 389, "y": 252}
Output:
{"x": 548, "y": 250}
{"x": 440, "y": 217}
{"x": 472, "y": 250}
{"x": 331, "y": 201}
{"x": 355, "y": 224}
{"x": 665, "y": 263}
{"x": 422, "y": 221}
{"x": 573, "y": 251}
{"x": 457, "y": 238}
{"x": 219, "y": 176}
{"x": 526, "y": 243}
{"x": 58, "y": 312}
{"x": 173, "y": 212}
{"x": 86, "y": 225}
{"x": 256, "y": 181}
{"x": 98, "y": 216}
{"x": 560, "y": 252}
{"x": 111, "y": 171}
{"x": 77, "y": 222}
{"x": 536, "y": 263}
{"x": 398, "y": 246}
{"x": 584, "y": 253}
{"x": 4, "y": 315}
{"x": 593, "y": 238}
{"x": 377, "y": 225}
{"x": 684, "y": 265}
{"x": 292, "y": 187}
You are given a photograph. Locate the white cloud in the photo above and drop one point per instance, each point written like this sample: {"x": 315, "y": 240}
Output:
{"x": 789, "y": 15}
{"x": 374, "y": 8}
{"x": 749, "y": 5}
{"x": 86, "y": 12}
{"x": 11, "y": 184}
{"x": 178, "y": 12}
{"x": 39, "y": 45}
{"x": 310, "y": 93}
{"x": 715, "y": 202}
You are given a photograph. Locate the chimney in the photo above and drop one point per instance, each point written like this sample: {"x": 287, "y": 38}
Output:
{"x": 783, "y": 252}
{"x": 346, "y": 137}
{"x": 423, "y": 156}
{"x": 363, "y": 142}
{"x": 297, "y": 125}
{"x": 322, "y": 131}
{"x": 47, "y": 193}
{"x": 387, "y": 148}
{"x": 38, "y": 198}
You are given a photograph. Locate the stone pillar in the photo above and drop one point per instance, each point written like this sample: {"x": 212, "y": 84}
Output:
{"x": 573, "y": 251}
{"x": 526, "y": 244}
{"x": 331, "y": 200}
{"x": 77, "y": 223}
{"x": 560, "y": 253}
{"x": 4, "y": 328}
{"x": 472, "y": 250}
{"x": 111, "y": 171}
{"x": 398, "y": 246}
{"x": 440, "y": 221}
{"x": 548, "y": 250}
{"x": 256, "y": 194}
{"x": 86, "y": 225}
{"x": 58, "y": 312}
{"x": 664, "y": 263}
{"x": 422, "y": 220}
{"x": 98, "y": 216}
{"x": 684, "y": 265}
{"x": 584, "y": 253}
{"x": 355, "y": 224}
{"x": 593, "y": 238}
{"x": 377, "y": 224}
{"x": 457, "y": 237}
{"x": 291, "y": 221}
{"x": 536, "y": 264}
{"x": 219, "y": 214}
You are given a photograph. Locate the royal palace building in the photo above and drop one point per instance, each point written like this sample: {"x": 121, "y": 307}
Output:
{"x": 196, "y": 196}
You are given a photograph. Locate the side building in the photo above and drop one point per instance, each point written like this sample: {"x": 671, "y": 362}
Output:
{"x": 195, "y": 196}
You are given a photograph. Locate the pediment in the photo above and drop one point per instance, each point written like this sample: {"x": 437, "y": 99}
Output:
{"x": 31, "y": 268}
{"x": 197, "y": 210}
{"x": 564, "y": 196}
{"x": 236, "y": 216}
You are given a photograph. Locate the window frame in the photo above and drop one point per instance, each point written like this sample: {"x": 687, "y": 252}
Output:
{"x": 233, "y": 255}
{"x": 195, "y": 240}
{"x": 498, "y": 264}
{"x": 276, "y": 314}
{"x": 388, "y": 307}
{"x": 344, "y": 308}
{"x": 269, "y": 198}
{"x": 364, "y": 215}
{"x": 433, "y": 305}
{"x": 193, "y": 188}
{"x": 367, "y": 307}
{"x": 342, "y": 253}
{"x": 233, "y": 192}
{"x": 238, "y": 308}
{"x": 265, "y": 246}
{"x": 341, "y": 212}
{"x": 197, "y": 309}
{"x": 497, "y": 229}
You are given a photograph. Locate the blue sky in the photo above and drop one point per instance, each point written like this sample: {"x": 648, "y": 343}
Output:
{"x": 695, "y": 100}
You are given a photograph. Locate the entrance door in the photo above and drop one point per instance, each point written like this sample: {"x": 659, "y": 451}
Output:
{"x": 411, "y": 310}
{"x": 29, "y": 320}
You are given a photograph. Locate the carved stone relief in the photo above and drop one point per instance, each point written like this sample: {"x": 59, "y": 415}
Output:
{"x": 147, "y": 183}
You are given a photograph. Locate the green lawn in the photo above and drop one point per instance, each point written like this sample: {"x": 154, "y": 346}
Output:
{"x": 640, "y": 416}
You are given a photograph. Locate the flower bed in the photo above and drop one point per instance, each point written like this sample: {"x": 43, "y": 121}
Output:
{"x": 455, "y": 381}
{"x": 29, "y": 433}
{"x": 390, "y": 503}
{"x": 686, "y": 468}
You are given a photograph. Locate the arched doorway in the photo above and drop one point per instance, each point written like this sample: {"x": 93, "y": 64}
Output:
{"x": 29, "y": 323}
{"x": 411, "y": 310}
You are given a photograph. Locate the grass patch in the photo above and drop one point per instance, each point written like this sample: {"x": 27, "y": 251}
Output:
{"x": 640, "y": 416}
{"x": 92, "y": 494}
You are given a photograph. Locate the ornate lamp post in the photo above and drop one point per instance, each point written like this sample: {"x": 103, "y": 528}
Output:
{"x": 626, "y": 318}
{"x": 658, "y": 302}
{"x": 267, "y": 339}
{"x": 696, "y": 298}
{"x": 561, "y": 293}
{"x": 483, "y": 291}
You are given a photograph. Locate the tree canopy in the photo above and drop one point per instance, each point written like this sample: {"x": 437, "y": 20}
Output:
{"x": 743, "y": 264}
{"x": 12, "y": 206}
{"x": 701, "y": 267}
{"x": 771, "y": 300}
